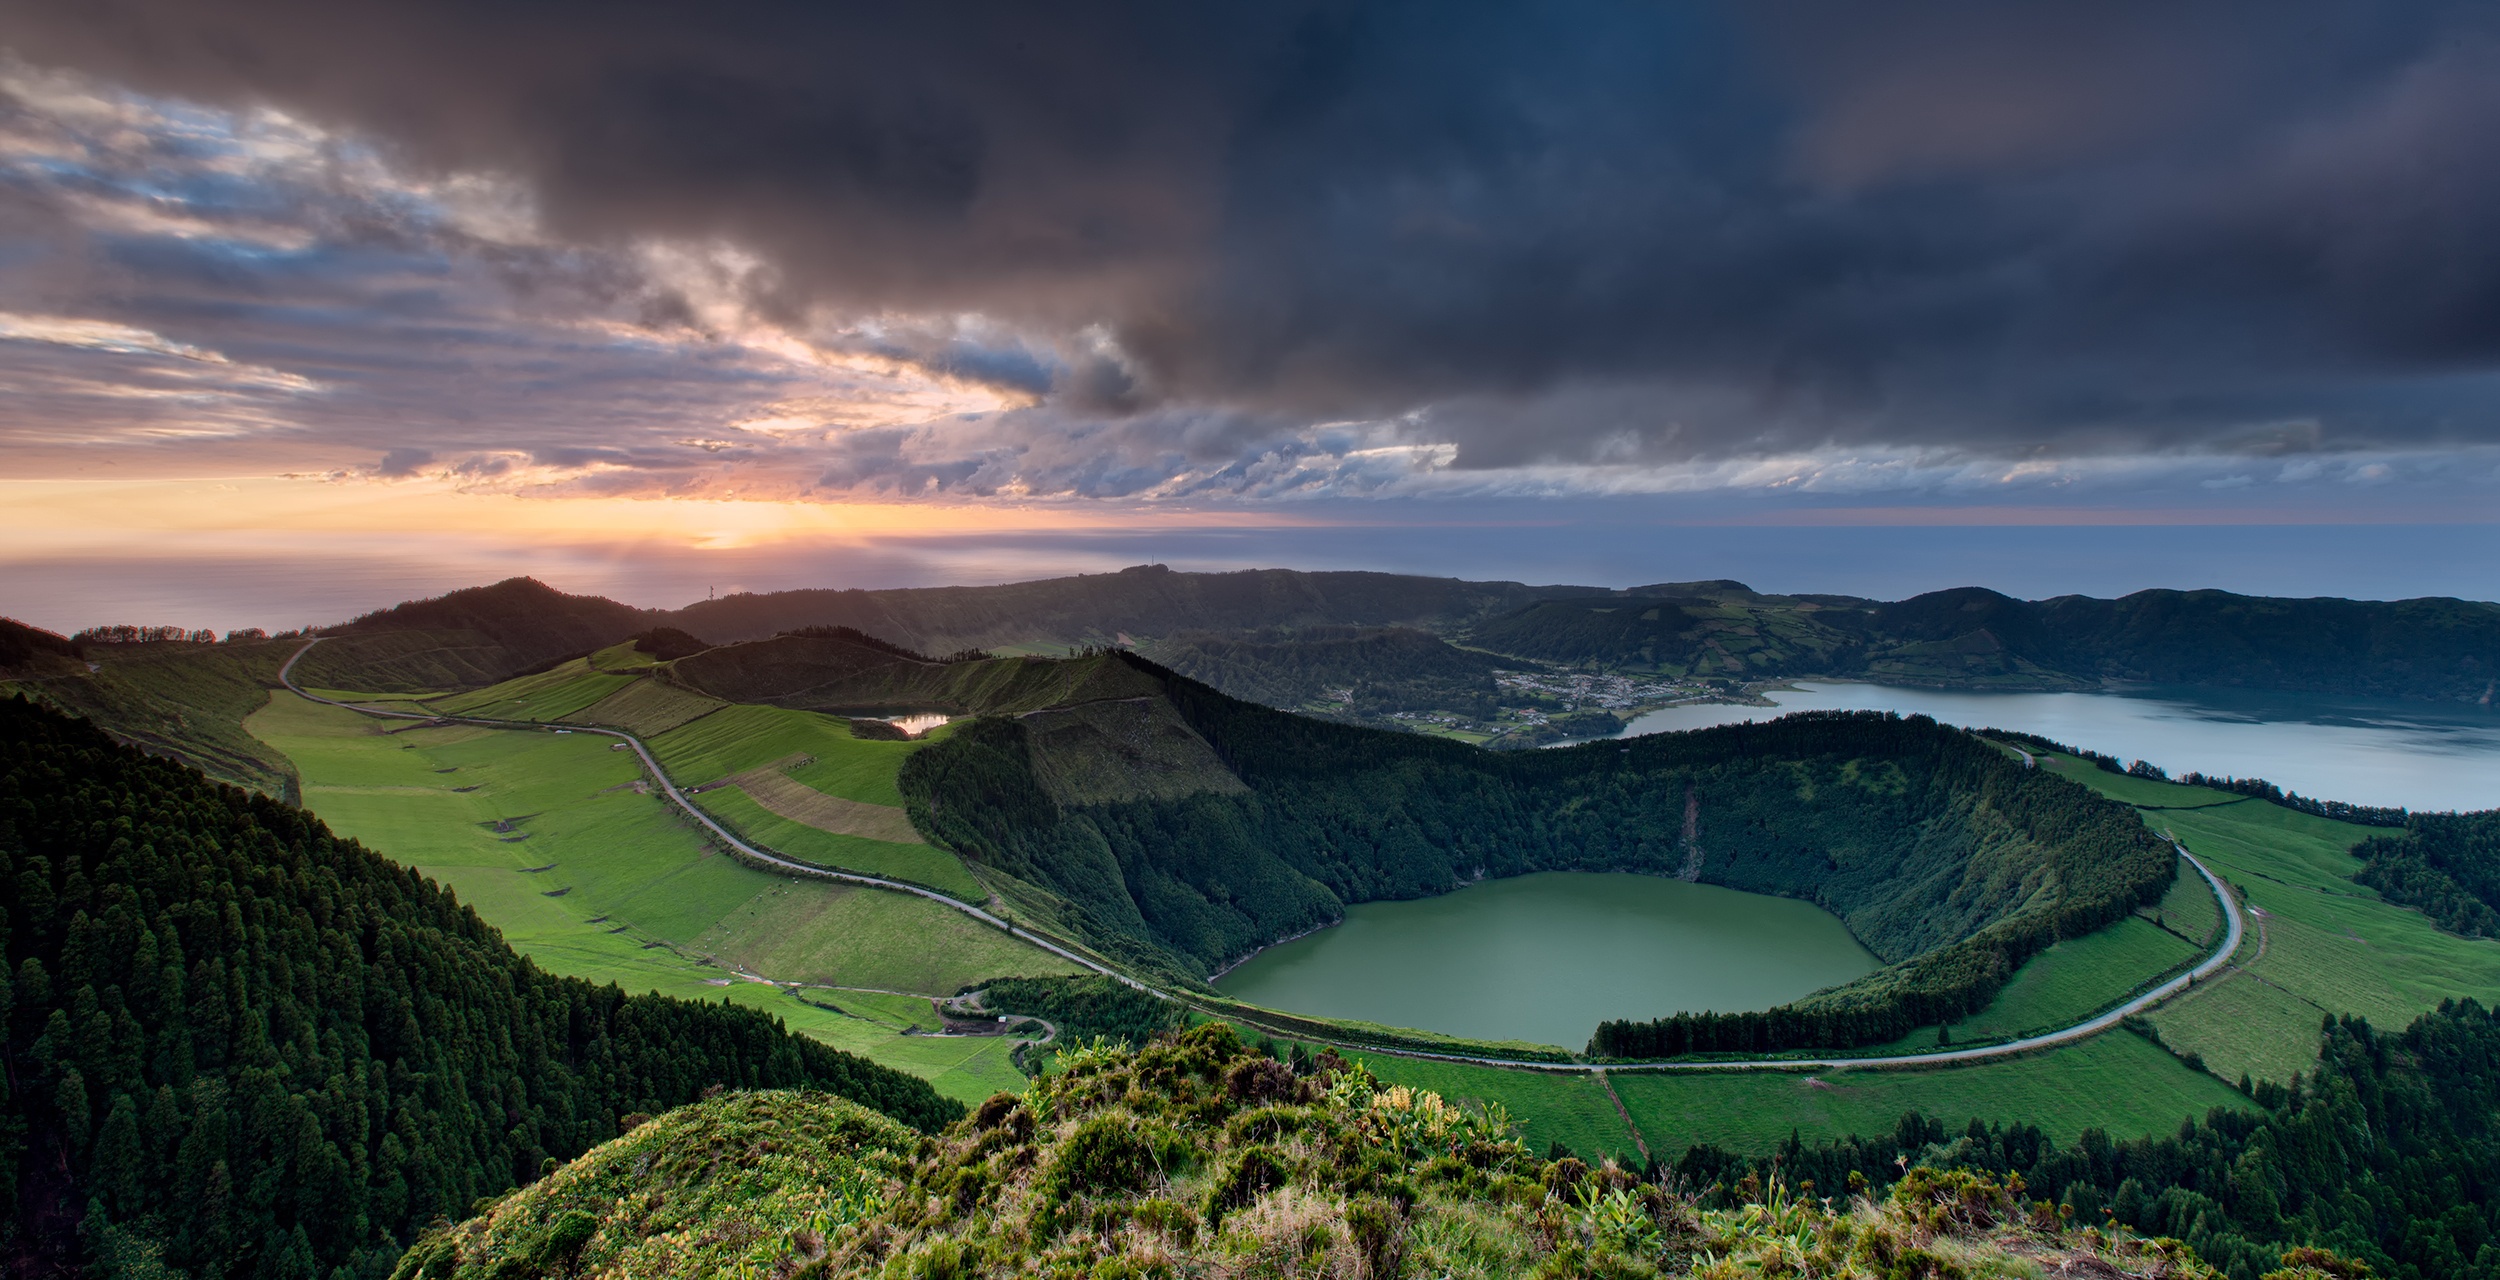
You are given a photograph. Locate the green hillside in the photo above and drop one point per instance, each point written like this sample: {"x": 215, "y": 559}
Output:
{"x": 175, "y": 697}
{"x": 239, "y": 1045}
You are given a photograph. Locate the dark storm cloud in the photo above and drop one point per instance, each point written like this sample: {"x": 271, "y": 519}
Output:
{"x": 1576, "y": 232}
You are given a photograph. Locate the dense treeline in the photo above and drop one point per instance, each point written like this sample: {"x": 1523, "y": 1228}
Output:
{"x": 2447, "y": 865}
{"x": 1086, "y": 1007}
{"x": 1935, "y": 848}
{"x": 2360, "y": 815}
{"x": 237, "y": 1045}
{"x": 2388, "y": 1151}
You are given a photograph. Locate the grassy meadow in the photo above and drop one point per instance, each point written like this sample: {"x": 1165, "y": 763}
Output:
{"x": 917, "y": 863}
{"x": 740, "y": 737}
{"x": 2317, "y": 944}
{"x": 546, "y": 835}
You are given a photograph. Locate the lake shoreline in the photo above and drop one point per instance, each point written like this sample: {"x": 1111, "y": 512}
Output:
{"x": 1253, "y": 953}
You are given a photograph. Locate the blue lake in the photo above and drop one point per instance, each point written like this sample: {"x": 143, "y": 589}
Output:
{"x": 2366, "y": 751}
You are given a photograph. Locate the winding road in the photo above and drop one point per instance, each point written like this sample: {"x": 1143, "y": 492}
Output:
{"x": 2089, "y": 1027}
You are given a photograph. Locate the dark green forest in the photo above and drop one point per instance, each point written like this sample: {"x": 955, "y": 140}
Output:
{"x": 2389, "y": 1151}
{"x": 2445, "y": 864}
{"x": 1088, "y": 1006}
{"x": 1944, "y": 856}
{"x": 235, "y": 1044}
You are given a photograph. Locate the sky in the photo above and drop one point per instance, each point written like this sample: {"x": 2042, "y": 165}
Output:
{"x": 306, "y": 308}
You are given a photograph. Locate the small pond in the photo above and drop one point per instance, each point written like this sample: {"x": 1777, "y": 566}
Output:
{"x": 1546, "y": 957}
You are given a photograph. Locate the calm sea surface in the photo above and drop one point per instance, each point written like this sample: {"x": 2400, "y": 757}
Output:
{"x": 1546, "y": 957}
{"x": 2418, "y": 755}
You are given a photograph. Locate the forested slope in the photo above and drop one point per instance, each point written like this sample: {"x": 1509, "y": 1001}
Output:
{"x": 176, "y": 697}
{"x": 240, "y": 1046}
{"x": 2445, "y": 864}
{"x": 1940, "y": 852}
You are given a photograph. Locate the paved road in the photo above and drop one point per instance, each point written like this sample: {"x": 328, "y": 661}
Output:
{"x": 2081, "y": 1030}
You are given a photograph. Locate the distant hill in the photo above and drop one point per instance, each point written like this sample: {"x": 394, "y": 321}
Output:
{"x": 2434, "y": 648}
{"x": 1362, "y": 668}
{"x": 1145, "y": 600}
{"x": 24, "y": 648}
{"x": 1289, "y": 639}
{"x": 475, "y": 636}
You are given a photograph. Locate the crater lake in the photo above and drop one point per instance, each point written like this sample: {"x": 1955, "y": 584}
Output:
{"x": 1546, "y": 957}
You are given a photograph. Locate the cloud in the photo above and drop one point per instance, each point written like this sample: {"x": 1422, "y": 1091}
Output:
{"x": 1281, "y": 250}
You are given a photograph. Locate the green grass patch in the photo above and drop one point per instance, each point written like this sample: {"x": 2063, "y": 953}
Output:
{"x": 803, "y": 931}
{"x": 742, "y": 737}
{"x": 2241, "y": 1024}
{"x": 918, "y": 863}
{"x": 2116, "y": 1082}
{"x": 549, "y": 695}
{"x": 889, "y": 1008}
{"x": 637, "y": 899}
{"x": 1571, "y": 1109}
{"x": 2079, "y": 977}
{"x": 2188, "y": 910}
{"x": 647, "y": 708}
{"x": 622, "y": 658}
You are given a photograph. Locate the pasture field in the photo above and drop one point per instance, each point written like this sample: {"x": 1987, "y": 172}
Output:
{"x": 886, "y": 1007}
{"x": 2079, "y": 977}
{"x": 744, "y": 736}
{"x": 918, "y": 863}
{"x": 546, "y": 836}
{"x": 2189, "y": 910}
{"x": 840, "y": 935}
{"x": 2317, "y": 943}
{"x": 2115, "y": 1082}
{"x": 647, "y": 708}
{"x": 549, "y": 695}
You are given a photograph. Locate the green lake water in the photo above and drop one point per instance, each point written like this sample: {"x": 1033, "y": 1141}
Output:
{"x": 1546, "y": 957}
